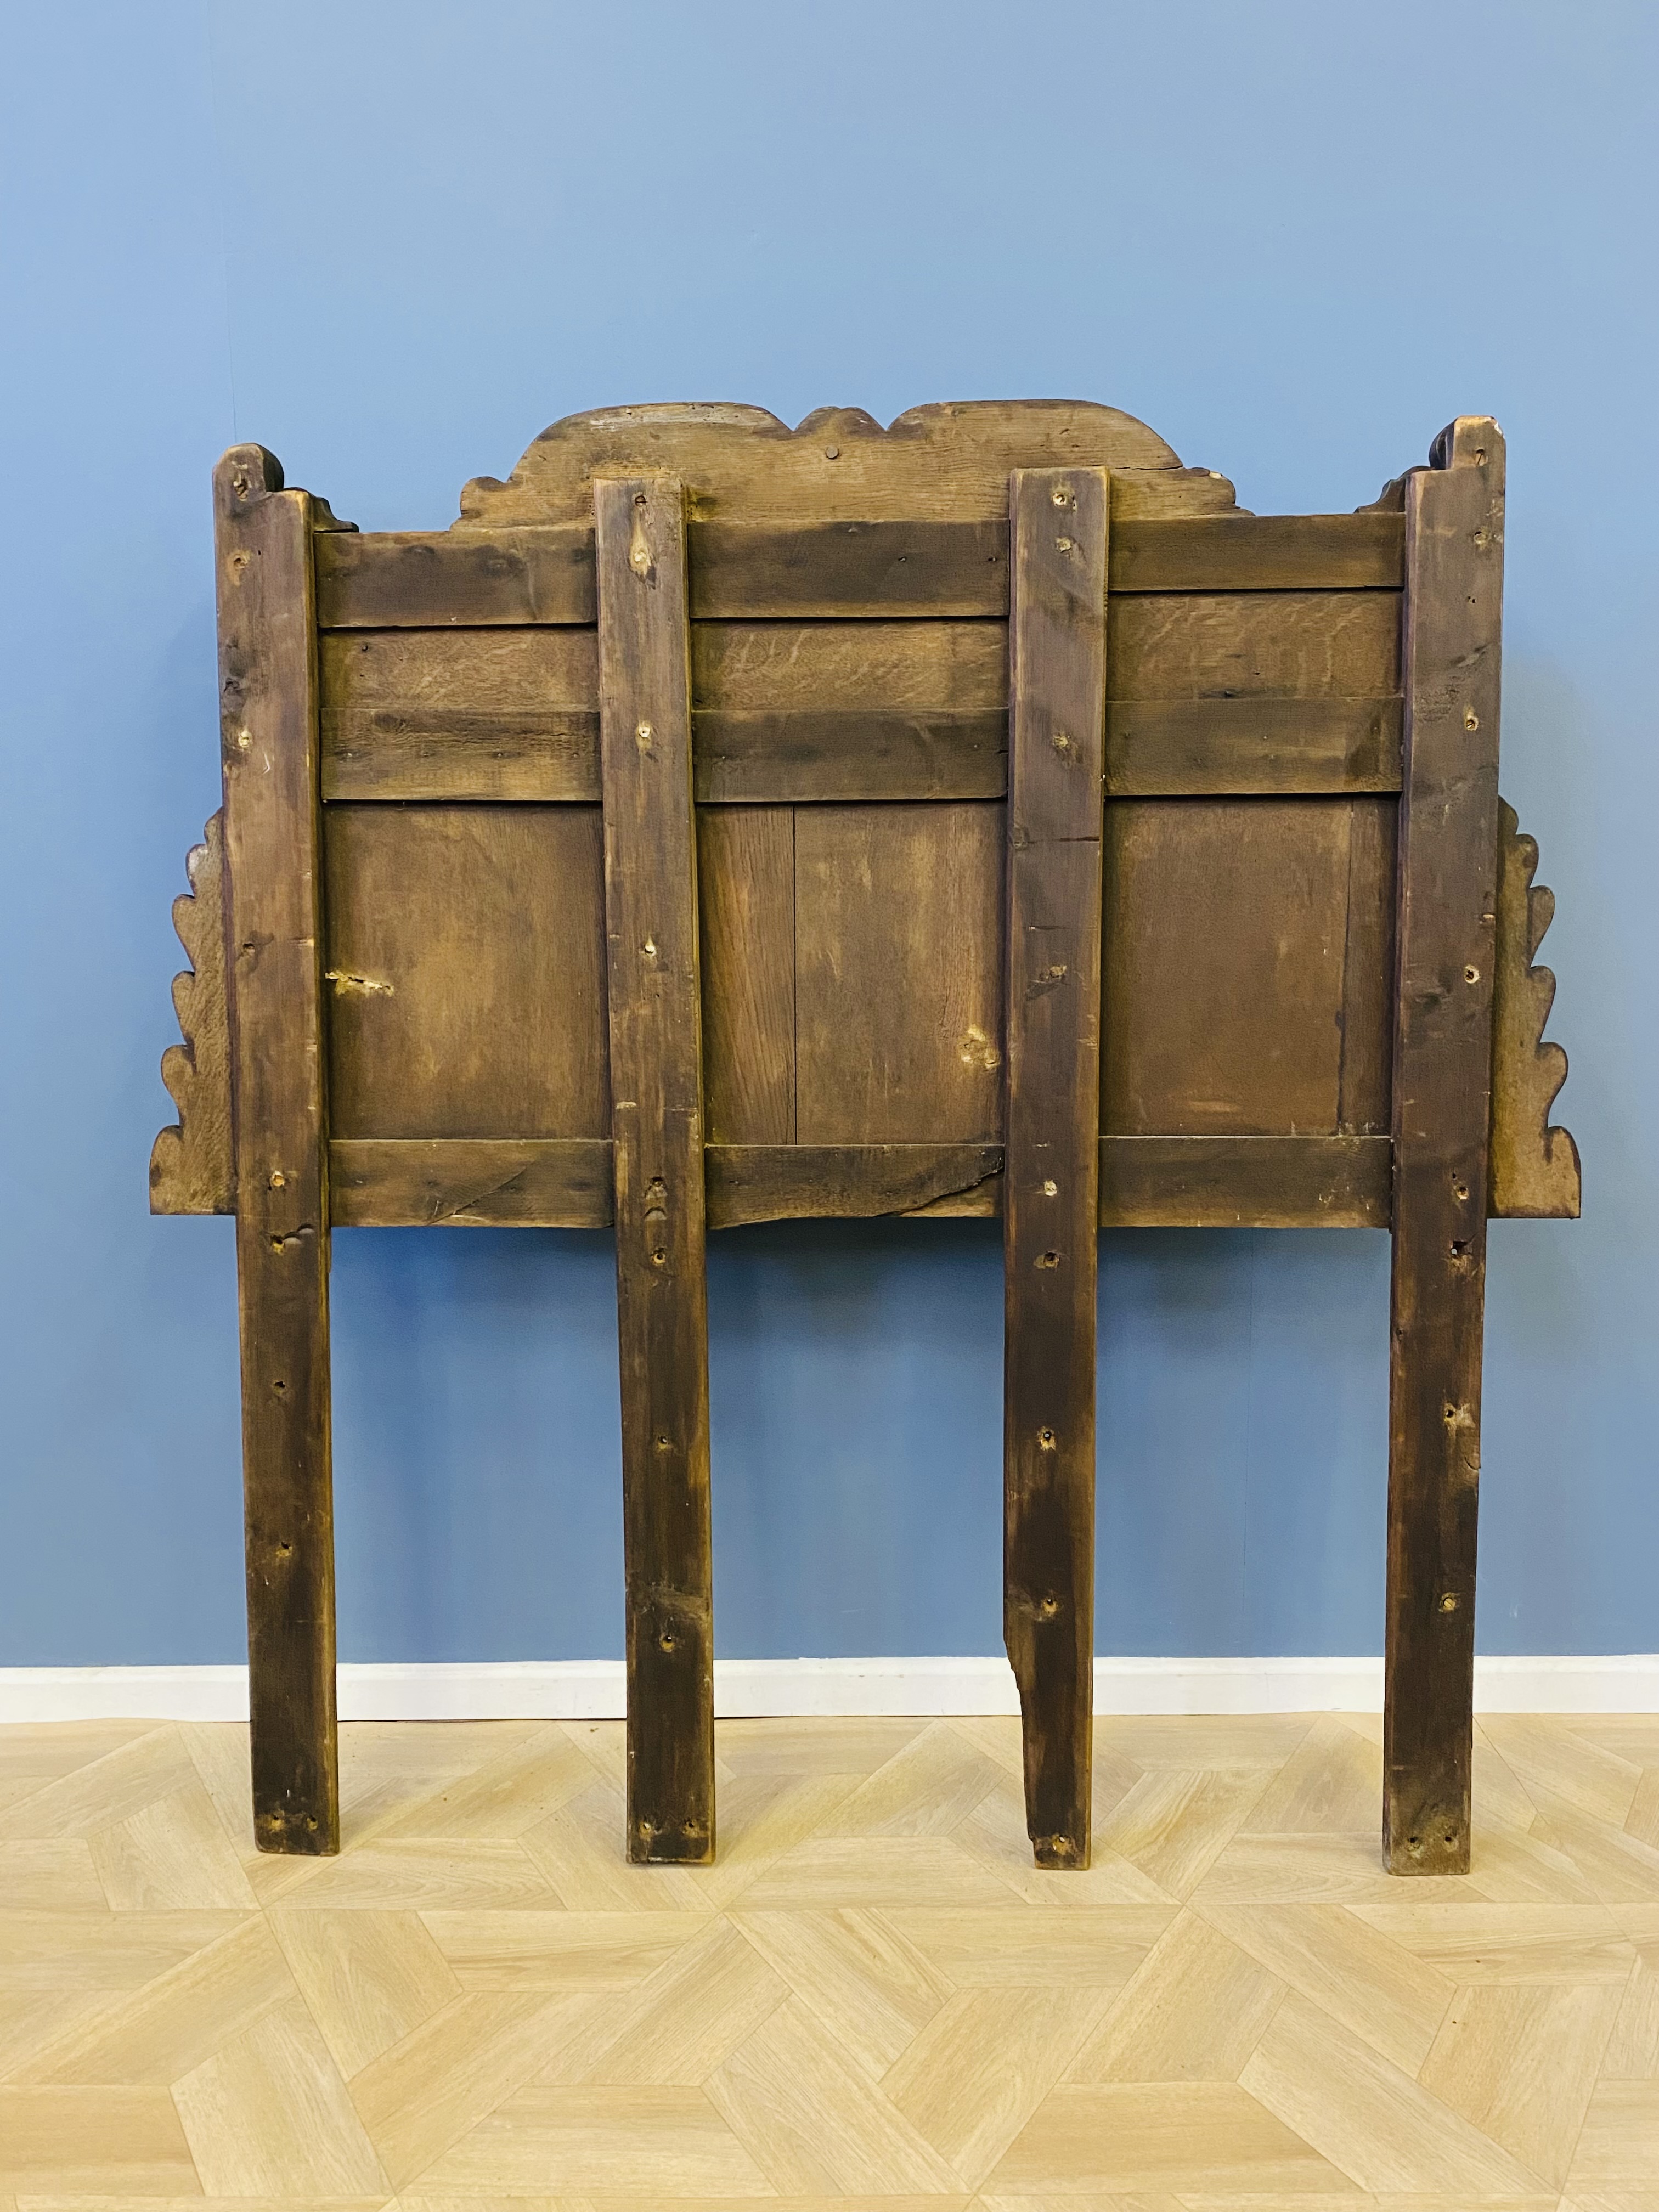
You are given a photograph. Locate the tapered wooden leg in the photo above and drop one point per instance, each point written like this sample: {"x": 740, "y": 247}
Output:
{"x": 1447, "y": 905}
{"x": 1058, "y": 524}
{"x": 656, "y": 1084}
{"x": 267, "y": 641}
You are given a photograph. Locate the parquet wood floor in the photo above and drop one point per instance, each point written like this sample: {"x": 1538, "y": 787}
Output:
{"x": 873, "y": 2000}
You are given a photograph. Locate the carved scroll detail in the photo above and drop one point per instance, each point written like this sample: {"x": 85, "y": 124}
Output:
{"x": 1534, "y": 1167}
{"x": 191, "y": 1165}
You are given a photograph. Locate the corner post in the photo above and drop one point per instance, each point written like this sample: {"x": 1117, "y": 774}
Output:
{"x": 656, "y": 1088}
{"x": 269, "y": 718}
{"x": 1446, "y": 943}
{"x": 1058, "y": 521}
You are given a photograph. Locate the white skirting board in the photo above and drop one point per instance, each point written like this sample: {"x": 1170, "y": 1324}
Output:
{"x": 592, "y": 1689}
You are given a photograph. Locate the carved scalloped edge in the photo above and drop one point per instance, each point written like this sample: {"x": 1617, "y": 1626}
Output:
{"x": 961, "y": 440}
{"x": 192, "y": 1169}
{"x": 1534, "y": 1167}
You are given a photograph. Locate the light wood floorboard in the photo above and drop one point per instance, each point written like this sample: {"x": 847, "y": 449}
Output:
{"x": 873, "y": 1998}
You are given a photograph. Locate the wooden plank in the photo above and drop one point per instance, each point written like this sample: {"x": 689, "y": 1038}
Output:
{"x": 1253, "y": 645}
{"x": 656, "y": 1080}
{"x": 807, "y": 756}
{"x": 746, "y": 901}
{"x": 898, "y": 981}
{"x": 1145, "y": 1183}
{"x": 789, "y": 1182}
{"x": 1057, "y": 711}
{"x": 1245, "y": 1183}
{"x": 1259, "y": 553}
{"x": 1442, "y": 1075}
{"x": 457, "y": 753}
{"x": 1226, "y": 923}
{"x": 268, "y": 705}
{"x": 538, "y": 1182}
{"x": 1365, "y": 1076}
{"x": 465, "y": 971}
{"x": 831, "y": 570}
{"x": 1208, "y": 747}
{"x": 1534, "y": 1168}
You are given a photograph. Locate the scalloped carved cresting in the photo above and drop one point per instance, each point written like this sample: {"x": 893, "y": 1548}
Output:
{"x": 190, "y": 1164}
{"x": 1534, "y": 1167}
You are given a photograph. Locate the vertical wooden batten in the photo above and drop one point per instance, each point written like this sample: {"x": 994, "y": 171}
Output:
{"x": 269, "y": 715}
{"x": 656, "y": 1085}
{"x": 1446, "y": 943}
{"x": 1057, "y": 711}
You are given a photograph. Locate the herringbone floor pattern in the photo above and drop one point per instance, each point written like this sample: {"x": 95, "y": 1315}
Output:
{"x": 874, "y": 1999}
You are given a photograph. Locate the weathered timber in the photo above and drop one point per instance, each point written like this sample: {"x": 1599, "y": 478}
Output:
{"x": 192, "y": 1166}
{"x": 1533, "y": 1168}
{"x": 746, "y": 944}
{"x": 268, "y": 702}
{"x": 803, "y": 756}
{"x": 850, "y": 570}
{"x": 656, "y": 1086}
{"x": 1145, "y": 1183}
{"x": 470, "y": 1182}
{"x": 785, "y": 1182}
{"x": 1057, "y": 710}
{"x": 477, "y": 1008}
{"x": 898, "y": 974}
{"x": 1175, "y": 748}
{"x": 1448, "y": 893}
{"x": 1227, "y": 1009}
{"x": 1245, "y": 1183}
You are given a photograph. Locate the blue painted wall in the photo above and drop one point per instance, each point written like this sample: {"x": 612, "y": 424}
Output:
{"x": 391, "y": 238}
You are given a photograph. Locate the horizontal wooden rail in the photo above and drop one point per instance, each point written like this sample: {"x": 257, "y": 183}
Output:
{"x": 1154, "y": 748}
{"x": 1148, "y": 1182}
{"x": 397, "y": 580}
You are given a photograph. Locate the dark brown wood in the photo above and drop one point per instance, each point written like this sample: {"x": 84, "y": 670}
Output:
{"x": 656, "y": 1083}
{"x": 465, "y": 971}
{"x": 1245, "y": 1183}
{"x": 785, "y": 1182}
{"x": 1226, "y": 923}
{"x": 1173, "y": 748}
{"x": 898, "y": 974}
{"x": 807, "y": 756}
{"x": 192, "y": 1165}
{"x": 1534, "y": 1167}
{"x": 746, "y": 900}
{"x": 1365, "y": 1075}
{"x": 836, "y": 570}
{"x": 1443, "y": 1066}
{"x": 1057, "y": 711}
{"x": 470, "y": 1182}
{"x": 268, "y": 707}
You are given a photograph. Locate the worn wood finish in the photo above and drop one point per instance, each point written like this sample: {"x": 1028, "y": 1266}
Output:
{"x": 814, "y": 757}
{"x": 746, "y": 900}
{"x": 1442, "y": 1066}
{"x": 898, "y": 974}
{"x": 268, "y": 707}
{"x": 783, "y": 1182}
{"x": 840, "y": 570}
{"x": 477, "y": 1009}
{"x": 192, "y": 1165}
{"x": 1226, "y": 928}
{"x": 1534, "y": 1168}
{"x": 1245, "y": 1183}
{"x": 1196, "y": 748}
{"x": 1145, "y": 1183}
{"x": 656, "y": 1081}
{"x": 1365, "y": 1072}
{"x": 470, "y": 1182}
{"x": 1058, "y": 523}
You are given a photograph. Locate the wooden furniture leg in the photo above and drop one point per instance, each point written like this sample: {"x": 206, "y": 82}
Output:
{"x": 1448, "y": 863}
{"x": 1056, "y": 693}
{"x": 656, "y": 1086}
{"x": 268, "y": 698}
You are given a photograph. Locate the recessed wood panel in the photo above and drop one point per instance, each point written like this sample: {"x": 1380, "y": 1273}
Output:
{"x": 466, "y": 960}
{"x": 1226, "y": 944}
{"x": 898, "y": 964}
{"x": 746, "y": 895}
{"x": 1252, "y": 644}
